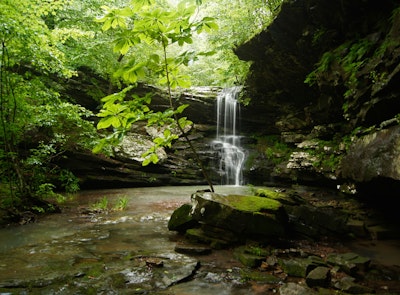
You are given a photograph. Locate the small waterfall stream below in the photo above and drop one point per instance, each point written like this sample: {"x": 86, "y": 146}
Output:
{"x": 227, "y": 142}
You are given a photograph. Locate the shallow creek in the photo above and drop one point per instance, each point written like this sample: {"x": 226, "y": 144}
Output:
{"x": 118, "y": 252}
{"x": 76, "y": 252}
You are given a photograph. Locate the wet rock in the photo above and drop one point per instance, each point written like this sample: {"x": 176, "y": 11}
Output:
{"x": 295, "y": 289}
{"x": 243, "y": 215}
{"x": 193, "y": 249}
{"x": 260, "y": 277}
{"x": 325, "y": 221}
{"x": 197, "y": 235}
{"x": 268, "y": 214}
{"x": 251, "y": 256}
{"x": 182, "y": 219}
{"x": 159, "y": 272}
{"x": 248, "y": 259}
{"x": 348, "y": 285}
{"x": 286, "y": 198}
{"x": 298, "y": 267}
{"x": 350, "y": 263}
{"x": 319, "y": 277}
{"x": 374, "y": 155}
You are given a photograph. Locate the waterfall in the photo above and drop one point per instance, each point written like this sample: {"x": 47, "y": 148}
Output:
{"x": 227, "y": 142}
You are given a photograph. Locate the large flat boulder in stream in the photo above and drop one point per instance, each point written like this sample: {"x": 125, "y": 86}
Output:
{"x": 248, "y": 216}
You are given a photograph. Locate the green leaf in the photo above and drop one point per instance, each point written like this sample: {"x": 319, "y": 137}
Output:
{"x": 181, "y": 108}
{"x": 107, "y": 25}
{"x": 98, "y": 148}
{"x": 108, "y": 122}
{"x": 167, "y": 133}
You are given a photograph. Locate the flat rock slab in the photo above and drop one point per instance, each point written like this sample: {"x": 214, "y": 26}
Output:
{"x": 192, "y": 249}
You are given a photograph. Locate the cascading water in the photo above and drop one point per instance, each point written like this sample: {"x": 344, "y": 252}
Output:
{"x": 227, "y": 143}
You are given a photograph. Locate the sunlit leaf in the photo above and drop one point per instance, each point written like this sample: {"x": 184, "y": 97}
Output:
{"x": 181, "y": 108}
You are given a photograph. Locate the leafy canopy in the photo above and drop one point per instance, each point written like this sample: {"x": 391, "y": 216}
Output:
{"x": 157, "y": 24}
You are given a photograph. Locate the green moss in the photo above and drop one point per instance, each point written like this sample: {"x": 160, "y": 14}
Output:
{"x": 252, "y": 203}
{"x": 268, "y": 193}
{"x": 264, "y": 277}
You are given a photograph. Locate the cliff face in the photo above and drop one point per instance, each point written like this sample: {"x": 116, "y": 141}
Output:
{"x": 289, "y": 49}
{"x": 342, "y": 120}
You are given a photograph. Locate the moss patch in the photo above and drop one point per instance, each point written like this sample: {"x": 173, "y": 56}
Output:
{"x": 271, "y": 194}
{"x": 251, "y": 203}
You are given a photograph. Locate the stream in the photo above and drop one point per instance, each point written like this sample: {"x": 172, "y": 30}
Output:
{"x": 130, "y": 251}
{"x": 114, "y": 252}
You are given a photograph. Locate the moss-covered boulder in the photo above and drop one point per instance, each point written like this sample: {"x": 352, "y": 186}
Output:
{"x": 181, "y": 219}
{"x": 249, "y": 216}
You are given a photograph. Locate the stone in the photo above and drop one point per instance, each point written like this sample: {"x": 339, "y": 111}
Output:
{"x": 357, "y": 227}
{"x": 325, "y": 221}
{"x": 374, "y": 155}
{"x": 248, "y": 258}
{"x": 192, "y": 249}
{"x": 260, "y": 277}
{"x": 243, "y": 215}
{"x": 296, "y": 267}
{"x": 348, "y": 285}
{"x": 350, "y": 263}
{"x": 295, "y": 289}
{"x": 181, "y": 219}
{"x": 197, "y": 235}
{"x": 319, "y": 277}
{"x": 281, "y": 196}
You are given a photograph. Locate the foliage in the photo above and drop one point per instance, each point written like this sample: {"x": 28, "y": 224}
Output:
{"x": 238, "y": 22}
{"x": 104, "y": 204}
{"x": 155, "y": 23}
{"x": 275, "y": 150}
{"x": 36, "y": 126}
{"x": 100, "y": 205}
{"x": 354, "y": 64}
{"x": 42, "y": 42}
{"x": 121, "y": 204}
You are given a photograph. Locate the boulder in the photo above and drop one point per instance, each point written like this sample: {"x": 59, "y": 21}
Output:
{"x": 243, "y": 215}
{"x": 350, "y": 263}
{"x": 374, "y": 156}
{"x": 181, "y": 219}
{"x": 299, "y": 267}
{"x": 319, "y": 277}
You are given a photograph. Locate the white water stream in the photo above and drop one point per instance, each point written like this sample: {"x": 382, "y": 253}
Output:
{"x": 227, "y": 141}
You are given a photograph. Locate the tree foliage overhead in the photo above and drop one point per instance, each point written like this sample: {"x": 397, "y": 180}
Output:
{"x": 31, "y": 56}
{"x": 165, "y": 43}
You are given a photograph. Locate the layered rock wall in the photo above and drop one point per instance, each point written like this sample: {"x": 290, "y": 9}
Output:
{"x": 336, "y": 128}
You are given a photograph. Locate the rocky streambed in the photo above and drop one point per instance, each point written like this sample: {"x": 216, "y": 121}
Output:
{"x": 294, "y": 240}
{"x": 87, "y": 250}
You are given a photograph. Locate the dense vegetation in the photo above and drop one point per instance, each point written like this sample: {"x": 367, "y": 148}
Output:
{"x": 45, "y": 43}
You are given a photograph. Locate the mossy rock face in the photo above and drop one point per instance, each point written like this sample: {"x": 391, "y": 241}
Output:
{"x": 261, "y": 277}
{"x": 250, "y": 256}
{"x": 249, "y": 203}
{"x": 243, "y": 215}
{"x": 181, "y": 219}
{"x": 280, "y": 196}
